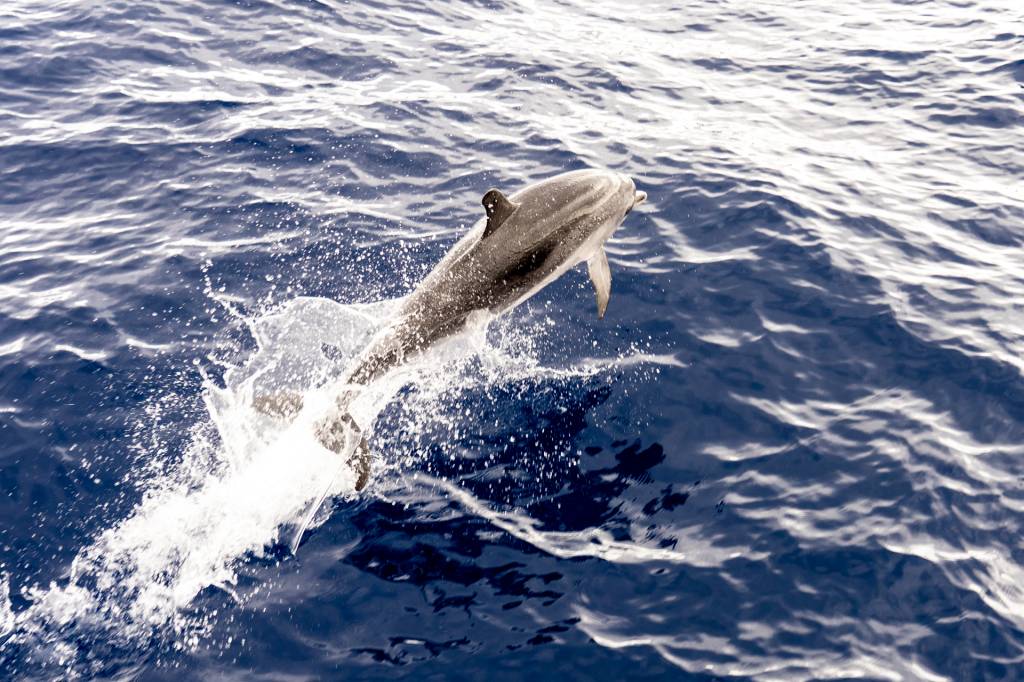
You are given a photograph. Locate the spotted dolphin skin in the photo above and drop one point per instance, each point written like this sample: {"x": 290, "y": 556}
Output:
{"x": 524, "y": 242}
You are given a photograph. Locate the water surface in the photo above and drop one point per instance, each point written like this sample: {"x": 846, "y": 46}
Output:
{"x": 792, "y": 449}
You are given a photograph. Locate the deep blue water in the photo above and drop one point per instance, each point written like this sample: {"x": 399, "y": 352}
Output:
{"x": 793, "y": 448}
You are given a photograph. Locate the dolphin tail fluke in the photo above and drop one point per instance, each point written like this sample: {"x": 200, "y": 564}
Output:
{"x": 281, "y": 405}
{"x": 333, "y": 436}
{"x": 311, "y": 510}
{"x": 360, "y": 461}
{"x": 340, "y": 434}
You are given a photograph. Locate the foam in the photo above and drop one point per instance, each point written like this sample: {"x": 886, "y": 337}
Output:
{"x": 234, "y": 493}
{"x": 246, "y": 479}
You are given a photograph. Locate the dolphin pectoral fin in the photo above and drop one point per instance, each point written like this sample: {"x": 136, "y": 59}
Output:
{"x": 498, "y": 208}
{"x": 601, "y": 276}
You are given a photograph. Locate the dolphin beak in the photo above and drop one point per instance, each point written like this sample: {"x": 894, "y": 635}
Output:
{"x": 639, "y": 196}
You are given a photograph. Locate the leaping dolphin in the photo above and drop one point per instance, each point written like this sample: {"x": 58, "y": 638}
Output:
{"x": 523, "y": 243}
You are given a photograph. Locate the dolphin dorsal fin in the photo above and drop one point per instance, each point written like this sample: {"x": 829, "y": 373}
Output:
{"x": 498, "y": 209}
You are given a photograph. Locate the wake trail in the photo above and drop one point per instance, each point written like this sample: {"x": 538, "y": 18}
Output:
{"x": 244, "y": 480}
{"x": 246, "y": 484}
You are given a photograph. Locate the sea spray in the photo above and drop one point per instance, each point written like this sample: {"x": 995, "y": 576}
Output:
{"x": 241, "y": 488}
{"x": 230, "y": 495}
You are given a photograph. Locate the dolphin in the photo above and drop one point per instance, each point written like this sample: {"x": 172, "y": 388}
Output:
{"x": 523, "y": 243}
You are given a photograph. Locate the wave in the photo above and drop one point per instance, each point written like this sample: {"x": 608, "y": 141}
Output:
{"x": 246, "y": 479}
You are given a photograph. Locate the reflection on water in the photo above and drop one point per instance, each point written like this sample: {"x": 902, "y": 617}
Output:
{"x": 791, "y": 449}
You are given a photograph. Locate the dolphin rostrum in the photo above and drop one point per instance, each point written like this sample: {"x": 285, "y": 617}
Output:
{"x": 524, "y": 242}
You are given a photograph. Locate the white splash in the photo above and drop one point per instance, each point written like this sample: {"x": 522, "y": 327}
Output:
{"x": 233, "y": 493}
{"x": 247, "y": 479}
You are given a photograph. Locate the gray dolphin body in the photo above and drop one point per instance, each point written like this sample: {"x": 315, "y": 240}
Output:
{"x": 523, "y": 243}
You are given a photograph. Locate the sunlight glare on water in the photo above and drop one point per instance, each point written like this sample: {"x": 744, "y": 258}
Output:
{"x": 791, "y": 449}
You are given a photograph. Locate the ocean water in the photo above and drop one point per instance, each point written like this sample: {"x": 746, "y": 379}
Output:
{"x": 793, "y": 448}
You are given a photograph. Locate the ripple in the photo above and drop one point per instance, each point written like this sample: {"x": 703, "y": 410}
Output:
{"x": 791, "y": 449}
